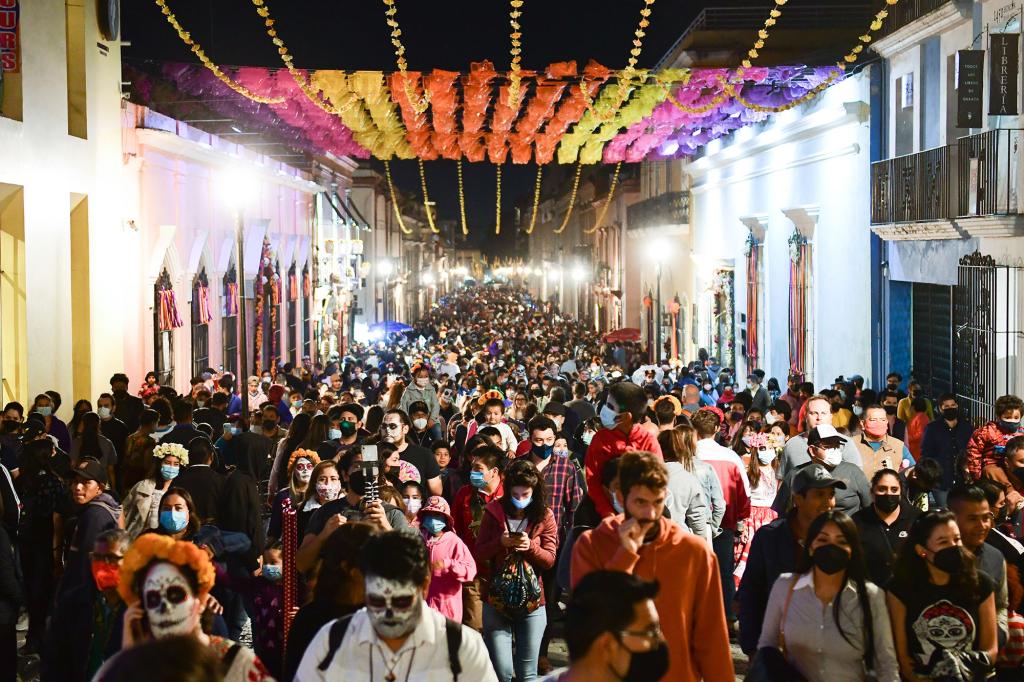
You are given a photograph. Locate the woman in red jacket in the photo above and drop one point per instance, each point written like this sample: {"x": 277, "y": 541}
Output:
{"x": 517, "y": 525}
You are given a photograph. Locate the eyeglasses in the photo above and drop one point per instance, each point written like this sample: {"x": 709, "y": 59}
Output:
{"x": 651, "y": 635}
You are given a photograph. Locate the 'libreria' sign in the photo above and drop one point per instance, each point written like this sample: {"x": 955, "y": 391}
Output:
{"x": 1004, "y": 66}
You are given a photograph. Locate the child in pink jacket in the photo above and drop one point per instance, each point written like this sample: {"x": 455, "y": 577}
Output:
{"x": 451, "y": 562}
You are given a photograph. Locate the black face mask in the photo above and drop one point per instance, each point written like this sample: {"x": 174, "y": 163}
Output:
{"x": 1007, "y": 426}
{"x": 646, "y": 666}
{"x": 1019, "y": 473}
{"x": 269, "y": 424}
{"x": 830, "y": 559}
{"x": 950, "y": 560}
{"x": 887, "y": 503}
{"x": 950, "y": 413}
{"x": 889, "y": 409}
{"x": 347, "y": 428}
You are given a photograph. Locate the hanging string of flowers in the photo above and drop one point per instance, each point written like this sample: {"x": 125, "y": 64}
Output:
{"x": 420, "y": 104}
{"x": 874, "y": 27}
{"x": 809, "y": 95}
{"x": 536, "y": 200}
{"x": 516, "y": 49}
{"x": 625, "y": 77}
{"x": 462, "y": 197}
{"x": 572, "y": 199}
{"x": 762, "y": 35}
{"x": 607, "y": 202}
{"x": 213, "y": 68}
{"x": 394, "y": 199}
{"x": 426, "y": 199}
{"x": 497, "y": 193}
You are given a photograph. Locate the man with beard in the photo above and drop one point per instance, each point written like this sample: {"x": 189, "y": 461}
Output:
{"x": 642, "y": 542}
{"x": 406, "y": 639}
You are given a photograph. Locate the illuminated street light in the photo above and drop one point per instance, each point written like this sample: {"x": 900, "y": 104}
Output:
{"x": 234, "y": 185}
{"x": 385, "y": 267}
{"x": 579, "y": 273}
{"x": 554, "y": 273}
{"x": 427, "y": 278}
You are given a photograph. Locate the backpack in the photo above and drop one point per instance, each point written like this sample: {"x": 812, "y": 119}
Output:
{"x": 452, "y": 632}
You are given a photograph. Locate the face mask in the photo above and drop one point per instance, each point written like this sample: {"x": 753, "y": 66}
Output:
{"x": 755, "y": 425}
{"x": 392, "y": 606}
{"x": 434, "y": 525}
{"x": 476, "y": 479}
{"x": 858, "y": 410}
{"x": 1019, "y": 473}
{"x": 889, "y": 409}
{"x": 770, "y": 418}
{"x": 887, "y": 504}
{"x": 173, "y": 520}
{"x": 272, "y": 572}
{"x": 876, "y": 429}
{"x": 269, "y": 424}
{"x": 752, "y": 388}
{"x": 561, "y": 453}
{"x": 521, "y": 503}
{"x": 422, "y": 383}
{"x": 830, "y": 559}
{"x": 616, "y": 504}
{"x": 648, "y": 665}
{"x": 707, "y": 388}
{"x": 950, "y": 413}
{"x": 832, "y": 457}
{"x": 542, "y": 451}
{"x": 103, "y": 412}
{"x": 328, "y": 491}
{"x": 419, "y": 424}
{"x": 347, "y": 428}
{"x": 106, "y": 575}
{"x": 1007, "y": 426}
{"x": 842, "y": 397}
{"x": 235, "y": 430}
{"x": 334, "y": 434}
{"x": 169, "y": 471}
{"x": 766, "y": 456}
{"x": 736, "y": 416}
{"x": 950, "y": 559}
{"x": 412, "y": 504}
{"x": 169, "y": 602}
{"x": 587, "y": 437}
{"x": 296, "y": 404}
{"x": 44, "y": 411}
{"x": 609, "y": 417}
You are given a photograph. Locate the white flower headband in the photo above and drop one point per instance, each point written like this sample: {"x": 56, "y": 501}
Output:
{"x": 176, "y": 449}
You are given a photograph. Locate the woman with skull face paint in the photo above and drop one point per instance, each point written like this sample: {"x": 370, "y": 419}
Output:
{"x": 300, "y": 472}
{"x": 520, "y": 522}
{"x": 943, "y": 609}
{"x": 830, "y": 623}
{"x": 165, "y": 584}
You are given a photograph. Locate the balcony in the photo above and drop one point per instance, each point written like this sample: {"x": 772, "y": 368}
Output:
{"x": 668, "y": 212}
{"x": 968, "y": 189}
{"x": 907, "y": 11}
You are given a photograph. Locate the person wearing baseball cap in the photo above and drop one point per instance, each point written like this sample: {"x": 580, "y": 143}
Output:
{"x": 98, "y": 511}
{"x": 825, "y": 447}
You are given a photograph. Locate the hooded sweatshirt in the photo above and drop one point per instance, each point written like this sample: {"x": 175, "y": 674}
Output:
{"x": 689, "y": 600}
{"x": 451, "y": 564}
{"x": 427, "y": 395}
{"x": 95, "y": 517}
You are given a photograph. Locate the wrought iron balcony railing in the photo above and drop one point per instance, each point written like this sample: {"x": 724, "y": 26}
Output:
{"x": 670, "y": 208}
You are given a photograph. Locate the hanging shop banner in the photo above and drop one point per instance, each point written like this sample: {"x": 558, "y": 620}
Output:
{"x": 9, "y": 51}
{"x": 1004, "y": 66}
{"x": 970, "y": 65}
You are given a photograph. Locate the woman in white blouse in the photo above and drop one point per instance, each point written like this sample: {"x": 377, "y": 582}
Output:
{"x": 828, "y": 620}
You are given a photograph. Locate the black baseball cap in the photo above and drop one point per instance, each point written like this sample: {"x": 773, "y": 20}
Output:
{"x": 91, "y": 470}
{"x": 353, "y": 408}
{"x": 815, "y": 476}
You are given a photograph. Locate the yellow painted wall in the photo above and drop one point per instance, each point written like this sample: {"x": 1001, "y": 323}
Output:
{"x": 13, "y": 337}
{"x": 81, "y": 299}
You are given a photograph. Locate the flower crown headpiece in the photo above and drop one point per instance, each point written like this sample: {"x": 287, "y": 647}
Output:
{"x": 175, "y": 449}
{"x": 303, "y": 454}
{"x": 152, "y": 547}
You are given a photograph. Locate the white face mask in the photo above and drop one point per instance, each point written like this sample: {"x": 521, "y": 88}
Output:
{"x": 832, "y": 456}
{"x": 770, "y": 418}
{"x": 103, "y": 412}
{"x": 766, "y": 456}
{"x": 328, "y": 491}
{"x": 419, "y": 424}
{"x": 423, "y": 382}
{"x": 392, "y": 606}
{"x": 171, "y": 607}
{"x": 858, "y": 410}
{"x": 413, "y": 504}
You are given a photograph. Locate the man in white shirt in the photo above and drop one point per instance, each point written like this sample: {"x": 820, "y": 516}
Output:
{"x": 397, "y": 636}
{"x": 819, "y": 412}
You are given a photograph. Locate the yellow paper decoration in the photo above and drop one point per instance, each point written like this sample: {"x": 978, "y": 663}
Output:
{"x": 607, "y": 202}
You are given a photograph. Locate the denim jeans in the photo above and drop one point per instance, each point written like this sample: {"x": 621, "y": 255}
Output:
{"x": 527, "y": 631}
{"x": 722, "y": 546}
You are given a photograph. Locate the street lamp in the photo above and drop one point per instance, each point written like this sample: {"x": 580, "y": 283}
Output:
{"x": 659, "y": 250}
{"x": 235, "y": 185}
{"x": 385, "y": 267}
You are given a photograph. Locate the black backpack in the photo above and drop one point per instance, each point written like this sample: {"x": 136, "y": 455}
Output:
{"x": 452, "y": 632}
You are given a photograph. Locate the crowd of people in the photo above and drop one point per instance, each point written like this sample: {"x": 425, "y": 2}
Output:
{"x": 443, "y": 503}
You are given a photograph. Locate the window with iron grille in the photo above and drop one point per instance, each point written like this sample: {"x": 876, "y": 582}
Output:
{"x": 307, "y": 307}
{"x": 164, "y": 316}
{"x": 229, "y": 323}
{"x": 200, "y": 323}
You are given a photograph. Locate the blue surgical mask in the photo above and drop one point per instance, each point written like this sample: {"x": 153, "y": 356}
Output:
{"x": 334, "y": 434}
{"x": 169, "y": 471}
{"x": 542, "y": 451}
{"x": 587, "y": 437}
{"x": 235, "y": 430}
{"x": 609, "y": 417}
{"x": 476, "y": 479}
{"x": 521, "y": 503}
{"x": 434, "y": 525}
{"x": 173, "y": 520}
{"x": 45, "y": 411}
{"x": 272, "y": 572}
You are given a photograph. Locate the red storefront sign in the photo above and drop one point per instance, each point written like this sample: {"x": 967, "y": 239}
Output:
{"x": 9, "y": 48}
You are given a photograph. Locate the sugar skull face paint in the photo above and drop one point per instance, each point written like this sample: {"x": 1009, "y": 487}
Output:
{"x": 171, "y": 606}
{"x": 393, "y": 606}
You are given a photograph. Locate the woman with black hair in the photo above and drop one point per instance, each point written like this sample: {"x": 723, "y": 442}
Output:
{"x": 520, "y": 522}
{"x": 828, "y": 620}
{"x": 89, "y": 442}
{"x": 943, "y": 609}
{"x": 142, "y": 502}
{"x": 81, "y": 408}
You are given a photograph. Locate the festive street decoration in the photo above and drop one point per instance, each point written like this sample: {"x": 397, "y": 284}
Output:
{"x": 572, "y": 199}
{"x": 607, "y": 202}
{"x": 536, "y": 201}
{"x": 462, "y": 198}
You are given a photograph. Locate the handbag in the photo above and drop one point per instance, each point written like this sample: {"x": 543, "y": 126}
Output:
{"x": 515, "y": 589}
{"x": 769, "y": 663}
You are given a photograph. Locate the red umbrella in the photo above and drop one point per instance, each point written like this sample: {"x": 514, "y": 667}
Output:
{"x": 625, "y": 334}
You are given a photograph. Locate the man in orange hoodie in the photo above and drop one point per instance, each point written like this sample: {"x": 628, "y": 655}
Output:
{"x": 645, "y": 544}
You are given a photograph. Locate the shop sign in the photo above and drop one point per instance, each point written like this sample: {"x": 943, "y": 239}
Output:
{"x": 9, "y": 51}
{"x": 1004, "y": 66}
{"x": 970, "y": 65}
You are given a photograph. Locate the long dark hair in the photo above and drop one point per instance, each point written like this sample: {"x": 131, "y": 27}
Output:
{"x": 297, "y": 431}
{"x": 90, "y": 436}
{"x": 856, "y": 570}
{"x": 194, "y": 522}
{"x": 339, "y": 579}
{"x": 77, "y": 413}
{"x": 522, "y": 472}
{"x": 317, "y": 432}
{"x": 910, "y": 566}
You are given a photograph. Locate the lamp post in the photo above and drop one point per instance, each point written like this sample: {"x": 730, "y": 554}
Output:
{"x": 658, "y": 251}
{"x": 579, "y": 276}
{"x": 385, "y": 268}
{"x": 236, "y": 185}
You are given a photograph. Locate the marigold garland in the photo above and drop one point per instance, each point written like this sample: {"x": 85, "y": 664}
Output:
{"x": 762, "y": 35}
{"x": 607, "y": 202}
{"x": 625, "y": 77}
{"x": 301, "y": 453}
{"x": 875, "y": 26}
{"x": 497, "y": 193}
{"x": 420, "y": 104}
{"x": 806, "y": 97}
{"x": 536, "y": 200}
{"x": 572, "y": 199}
{"x": 462, "y": 197}
{"x": 426, "y": 198}
{"x": 213, "y": 68}
{"x": 152, "y": 547}
{"x": 516, "y": 49}
{"x": 394, "y": 199}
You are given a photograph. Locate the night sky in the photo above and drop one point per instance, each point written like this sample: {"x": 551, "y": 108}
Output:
{"x": 352, "y": 35}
